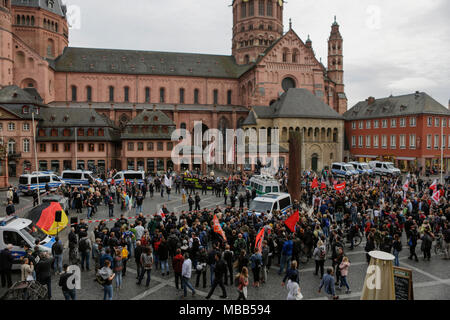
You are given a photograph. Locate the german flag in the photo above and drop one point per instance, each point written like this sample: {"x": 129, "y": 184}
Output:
{"x": 43, "y": 217}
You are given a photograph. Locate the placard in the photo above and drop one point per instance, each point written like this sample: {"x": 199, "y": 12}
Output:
{"x": 403, "y": 284}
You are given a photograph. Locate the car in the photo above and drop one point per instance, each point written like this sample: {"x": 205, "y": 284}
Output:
{"x": 342, "y": 169}
{"x": 79, "y": 177}
{"x": 128, "y": 175}
{"x": 268, "y": 203}
{"x": 18, "y": 232}
{"x": 263, "y": 184}
{"x": 28, "y": 183}
{"x": 384, "y": 168}
{"x": 362, "y": 168}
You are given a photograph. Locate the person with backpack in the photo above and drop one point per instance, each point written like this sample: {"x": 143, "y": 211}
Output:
{"x": 105, "y": 277}
{"x": 201, "y": 267}
{"x": 397, "y": 246}
{"x": 84, "y": 247}
{"x": 320, "y": 254}
{"x": 147, "y": 265}
{"x": 69, "y": 294}
{"x": 242, "y": 284}
{"x": 255, "y": 264}
{"x": 57, "y": 253}
{"x": 427, "y": 243}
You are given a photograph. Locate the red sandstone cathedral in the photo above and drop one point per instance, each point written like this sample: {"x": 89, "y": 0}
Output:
{"x": 118, "y": 87}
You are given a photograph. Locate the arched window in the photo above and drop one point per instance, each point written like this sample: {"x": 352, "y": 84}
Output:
{"x": 295, "y": 56}
{"x": 28, "y": 20}
{"x": 89, "y": 93}
{"x": 18, "y": 19}
{"x": 181, "y": 95}
{"x": 111, "y": 94}
{"x": 269, "y": 8}
{"x": 56, "y": 27}
{"x": 147, "y": 94}
{"x": 216, "y": 96}
{"x": 74, "y": 93}
{"x": 23, "y": 20}
{"x": 285, "y": 55}
{"x": 196, "y": 96}
{"x": 247, "y": 59}
{"x": 229, "y": 96}
{"x": 183, "y": 125}
{"x": 50, "y": 48}
{"x": 126, "y": 94}
{"x": 162, "y": 95}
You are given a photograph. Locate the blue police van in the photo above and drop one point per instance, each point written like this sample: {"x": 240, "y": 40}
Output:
{"x": 28, "y": 183}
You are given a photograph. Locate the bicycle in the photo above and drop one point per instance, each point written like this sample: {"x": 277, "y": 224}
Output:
{"x": 439, "y": 245}
{"x": 357, "y": 239}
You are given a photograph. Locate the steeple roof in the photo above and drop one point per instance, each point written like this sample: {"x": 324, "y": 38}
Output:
{"x": 54, "y": 6}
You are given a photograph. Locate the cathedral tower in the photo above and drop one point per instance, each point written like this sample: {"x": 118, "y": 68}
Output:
{"x": 42, "y": 25}
{"x": 256, "y": 25}
{"x": 335, "y": 55}
{"x": 6, "y": 53}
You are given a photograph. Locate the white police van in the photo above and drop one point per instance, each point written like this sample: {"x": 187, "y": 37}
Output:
{"x": 79, "y": 177}
{"x": 269, "y": 203}
{"x": 20, "y": 232}
{"x": 263, "y": 184}
{"x": 384, "y": 168}
{"x": 129, "y": 175}
{"x": 30, "y": 182}
{"x": 342, "y": 169}
{"x": 362, "y": 168}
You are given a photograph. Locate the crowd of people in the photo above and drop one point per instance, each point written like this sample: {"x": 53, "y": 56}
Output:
{"x": 187, "y": 244}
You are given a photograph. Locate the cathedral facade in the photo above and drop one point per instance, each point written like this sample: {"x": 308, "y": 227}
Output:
{"x": 119, "y": 85}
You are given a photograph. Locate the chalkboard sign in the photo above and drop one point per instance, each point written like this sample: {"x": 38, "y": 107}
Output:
{"x": 403, "y": 284}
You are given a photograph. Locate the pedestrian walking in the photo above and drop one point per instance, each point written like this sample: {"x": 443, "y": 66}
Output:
{"x": 242, "y": 279}
{"x": 186, "y": 274}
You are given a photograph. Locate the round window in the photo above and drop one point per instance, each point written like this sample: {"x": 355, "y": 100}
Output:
{"x": 288, "y": 83}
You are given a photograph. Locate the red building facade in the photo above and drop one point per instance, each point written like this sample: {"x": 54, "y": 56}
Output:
{"x": 407, "y": 130}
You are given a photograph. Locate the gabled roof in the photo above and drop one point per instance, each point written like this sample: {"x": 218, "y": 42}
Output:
{"x": 250, "y": 120}
{"x": 73, "y": 117}
{"x": 151, "y": 118}
{"x": 54, "y": 6}
{"x": 410, "y": 104}
{"x": 297, "y": 103}
{"x": 89, "y": 60}
{"x": 14, "y": 94}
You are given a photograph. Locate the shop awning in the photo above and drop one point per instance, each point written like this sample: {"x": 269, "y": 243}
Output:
{"x": 406, "y": 158}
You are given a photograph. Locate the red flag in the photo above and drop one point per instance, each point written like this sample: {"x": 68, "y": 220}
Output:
{"x": 323, "y": 185}
{"x": 339, "y": 187}
{"x": 314, "y": 183}
{"x": 292, "y": 221}
{"x": 259, "y": 240}
{"x": 436, "y": 196}
{"x": 434, "y": 185}
{"x": 218, "y": 228}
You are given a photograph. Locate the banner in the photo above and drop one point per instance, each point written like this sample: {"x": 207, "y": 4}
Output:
{"x": 434, "y": 185}
{"x": 218, "y": 228}
{"x": 339, "y": 187}
{"x": 436, "y": 196}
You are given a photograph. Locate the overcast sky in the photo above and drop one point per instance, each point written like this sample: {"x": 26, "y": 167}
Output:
{"x": 390, "y": 47}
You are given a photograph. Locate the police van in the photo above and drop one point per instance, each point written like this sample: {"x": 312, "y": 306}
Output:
{"x": 78, "y": 177}
{"x": 20, "y": 232}
{"x": 129, "y": 175}
{"x": 384, "y": 168}
{"x": 342, "y": 169}
{"x": 30, "y": 182}
{"x": 269, "y": 203}
{"x": 362, "y": 168}
{"x": 263, "y": 184}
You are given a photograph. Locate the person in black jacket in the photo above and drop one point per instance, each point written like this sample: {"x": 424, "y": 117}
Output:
{"x": 163, "y": 253}
{"x": 412, "y": 242}
{"x": 63, "y": 281}
{"x": 10, "y": 209}
{"x": 44, "y": 272}
{"x": 6, "y": 261}
{"x": 219, "y": 271}
{"x": 137, "y": 257}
